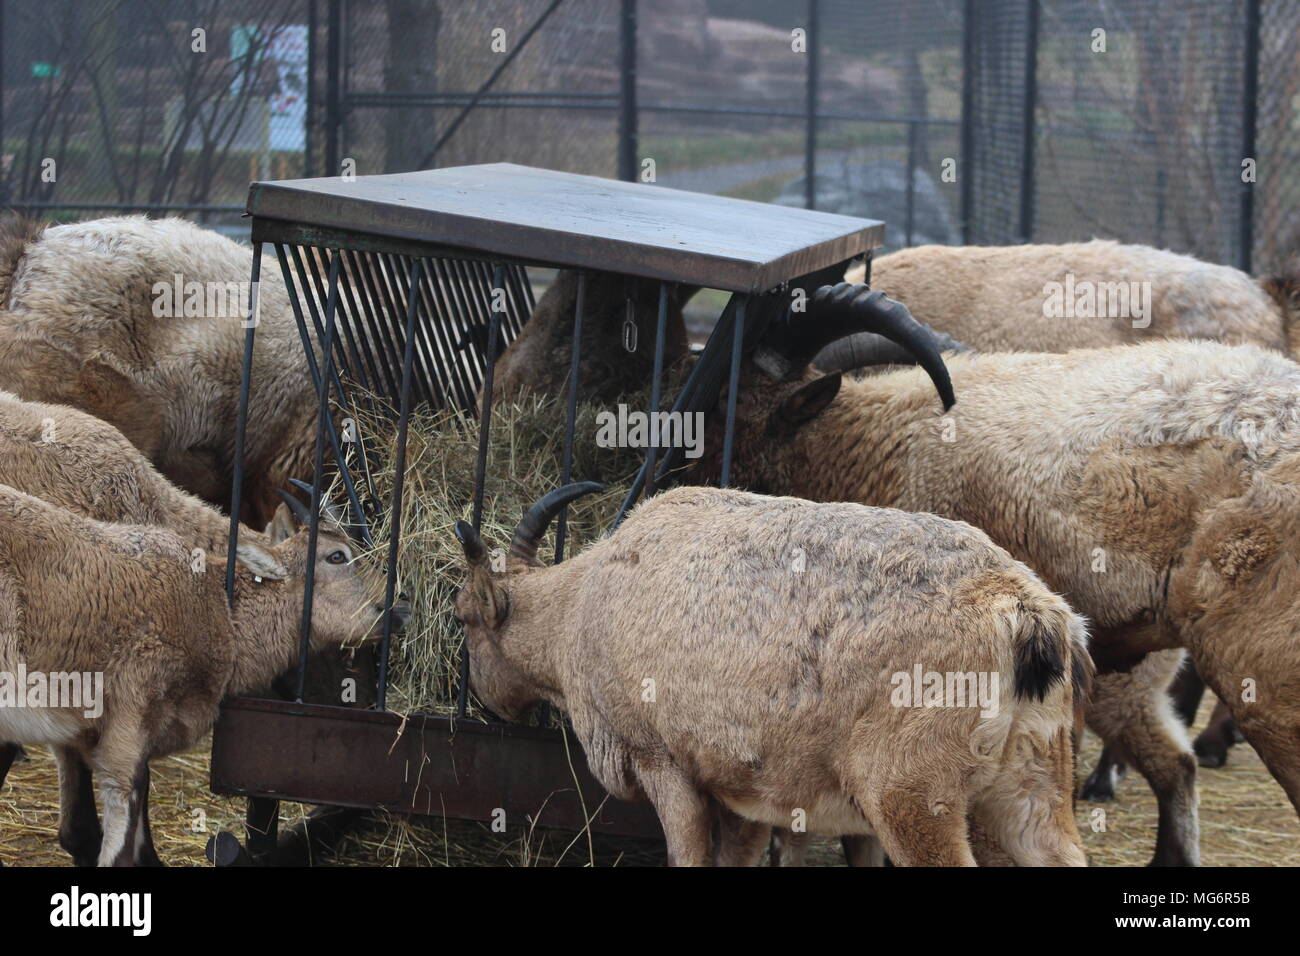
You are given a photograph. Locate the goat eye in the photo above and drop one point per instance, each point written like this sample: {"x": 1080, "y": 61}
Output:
{"x": 338, "y": 557}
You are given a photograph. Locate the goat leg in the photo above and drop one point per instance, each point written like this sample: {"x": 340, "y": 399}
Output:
{"x": 79, "y": 830}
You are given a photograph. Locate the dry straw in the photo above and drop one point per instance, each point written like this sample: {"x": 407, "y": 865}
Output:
{"x": 524, "y": 463}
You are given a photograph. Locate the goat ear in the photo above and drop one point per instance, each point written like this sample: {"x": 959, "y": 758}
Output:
{"x": 283, "y": 524}
{"x": 807, "y": 403}
{"x": 493, "y": 602}
{"x": 261, "y": 562}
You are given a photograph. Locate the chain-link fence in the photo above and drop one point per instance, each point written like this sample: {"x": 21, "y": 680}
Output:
{"x": 984, "y": 121}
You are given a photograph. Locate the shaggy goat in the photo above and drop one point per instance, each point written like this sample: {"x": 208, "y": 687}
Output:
{"x": 995, "y": 298}
{"x": 538, "y": 359}
{"x": 78, "y": 328}
{"x": 725, "y": 650}
{"x": 1157, "y": 487}
{"x": 123, "y": 605}
{"x": 78, "y": 462}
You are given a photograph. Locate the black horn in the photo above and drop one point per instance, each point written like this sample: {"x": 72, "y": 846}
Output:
{"x": 335, "y": 514}
{"x": 529, "y": 531}
{"x": 838, "y": 311}
{"x": 300, "y": 510}
{"x": 475, "y": 551}
{"x": 867, "y": 348}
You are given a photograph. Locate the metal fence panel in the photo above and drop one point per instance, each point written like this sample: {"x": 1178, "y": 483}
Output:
{"x": 174, "y": 105}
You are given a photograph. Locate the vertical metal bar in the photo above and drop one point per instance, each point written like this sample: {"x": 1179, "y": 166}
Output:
{"x": 571, "y": 415}
{"x": 309, "y": 138}
{"x": 368, "y": 326}
{"x": 485, "y": 417}
{"x": 455, "y": 389}
{"x": 966, "y": 165}
{"x": 399, "y": 482}
{"x": 261, "y": 829}
{"x": 1249, "y": 121}
{"x": 1027, "y": 129}
{"x": 810, "y": 109}
{"x": 440, "y": 355}
{"x": 354, "y": 332}
{"x": 656, "y": 390}
{"x": 323, "y": 411}
{"x": 333, "y": 85}
{"x": 393, "y": 295}
{"x": 427, "y": 361}
{"x": 910, "y": 213}
{"x": 3, "y": 195}
{"x": 464, "y": 311}
{"x": 241, "y": 423}
{"x": 627, "y": 108}
{"x": 321, "y": 285}
{"x": 305, "y": 338}
{"x": 737, "y": 351}
{"x": 480, "y": 473}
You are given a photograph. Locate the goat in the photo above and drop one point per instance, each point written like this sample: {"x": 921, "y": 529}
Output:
{"x": 997, "y": 298}
{"x": 78, "y": 328}
{"x": 78, "y": 462}
{"x": 703, "y": 668}
{"x": 538, "y": 359}
{"x": 123, "y": 604}
{"x": 1154, "y": 486}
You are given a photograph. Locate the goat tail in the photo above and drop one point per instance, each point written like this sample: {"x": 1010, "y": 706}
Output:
{"x": 1049, "y": 642}
{"x": 1284, "y": 289}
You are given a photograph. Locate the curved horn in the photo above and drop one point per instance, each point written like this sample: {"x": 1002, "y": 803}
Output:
{"x": 868, "y": 348}
{"x": 843, "y": 309}
{"x": 340, "y": 515}
{"x": 299, "y": 509}
{"x": 475, "y": 550}
{"x": 529, "y": 531}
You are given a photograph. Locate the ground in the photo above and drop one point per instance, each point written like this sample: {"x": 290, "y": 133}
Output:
{"x": 1246, "y": 820}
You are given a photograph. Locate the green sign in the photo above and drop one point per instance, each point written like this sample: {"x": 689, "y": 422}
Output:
{"x": 46, "y": 70}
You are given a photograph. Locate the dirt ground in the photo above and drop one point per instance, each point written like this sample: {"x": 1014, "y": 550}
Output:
{"x": 1246, "y": 820}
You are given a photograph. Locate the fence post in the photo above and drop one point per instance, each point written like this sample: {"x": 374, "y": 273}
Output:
{"x": 810, "y": 109}
{"x": 308, "y": 159}
{"x": 1027, "y": 124}
{"x": 333, "y": 86}
{"x": 627, "y": 109}
{"x": 1249, "y": 116}
{"x": 966, "y": 167}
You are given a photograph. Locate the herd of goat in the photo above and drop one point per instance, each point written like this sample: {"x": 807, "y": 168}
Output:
{"x": 1104, "y": 513}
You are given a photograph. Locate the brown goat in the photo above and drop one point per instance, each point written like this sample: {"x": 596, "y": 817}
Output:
{"x": 994, "y": 298}
{"x": 538, "y": 360}
{"x": 124, "y": 605}
{"x": 1151, "y": 485}
{"x": 78, "y": 327}
{"x": 724, "y": 650}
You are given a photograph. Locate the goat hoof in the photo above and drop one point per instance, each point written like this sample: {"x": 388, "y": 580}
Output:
{"x": 1211, "y": 753}
{"x": 1098, "y": 788}
{"x": 83, "y": 848}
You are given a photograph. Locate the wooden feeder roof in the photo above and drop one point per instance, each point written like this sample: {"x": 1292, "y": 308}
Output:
{"x": 532, "y": 215}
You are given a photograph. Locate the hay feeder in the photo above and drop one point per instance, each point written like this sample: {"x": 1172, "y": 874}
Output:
{"x": 404, "y": 284}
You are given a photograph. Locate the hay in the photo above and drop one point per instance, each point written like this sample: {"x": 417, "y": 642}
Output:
{"x": 524, "y": 458}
